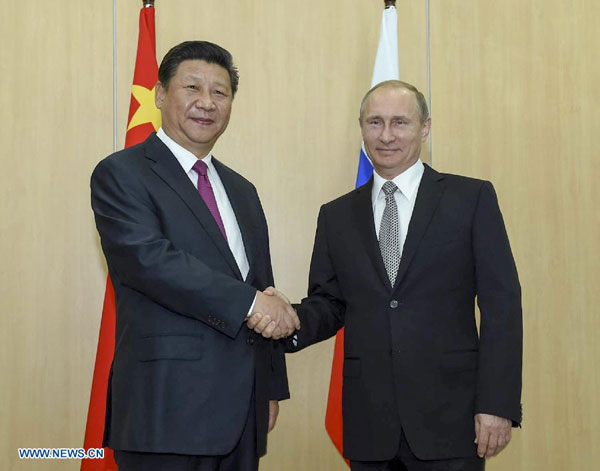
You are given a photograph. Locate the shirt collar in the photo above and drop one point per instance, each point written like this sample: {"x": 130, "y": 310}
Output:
{"x": 407, "y": 182}
{"x": 185, "y": 158}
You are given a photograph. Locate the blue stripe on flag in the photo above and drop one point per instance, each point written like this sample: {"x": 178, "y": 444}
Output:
{"x": 365, "y": 169}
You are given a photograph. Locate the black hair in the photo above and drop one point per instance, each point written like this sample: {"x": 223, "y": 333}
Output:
{"x": 197, "y": 50}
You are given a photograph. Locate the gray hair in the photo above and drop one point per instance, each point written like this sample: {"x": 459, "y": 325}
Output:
{"x": 421, "y": 102}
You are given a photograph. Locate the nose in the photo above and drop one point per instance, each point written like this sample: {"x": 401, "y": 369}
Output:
{"x": 387, "y": 136}
{"x": 205, "y": 101}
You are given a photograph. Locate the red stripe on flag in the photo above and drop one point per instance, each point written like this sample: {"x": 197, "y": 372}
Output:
{"x": 334, "y": 422}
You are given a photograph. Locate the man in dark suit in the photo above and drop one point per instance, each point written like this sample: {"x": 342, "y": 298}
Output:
{"x": 186, "y": 243}
{"x": 399, "y": 262}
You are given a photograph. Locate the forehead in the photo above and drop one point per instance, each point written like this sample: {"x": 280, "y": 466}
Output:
{"x": 391, "y": 101}
{"x": 199, "y": 69}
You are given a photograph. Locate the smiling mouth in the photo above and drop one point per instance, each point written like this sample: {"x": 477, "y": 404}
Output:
{"x": 203, "y": 121}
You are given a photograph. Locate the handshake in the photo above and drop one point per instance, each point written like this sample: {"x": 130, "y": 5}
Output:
{"x": 273, "y": 316}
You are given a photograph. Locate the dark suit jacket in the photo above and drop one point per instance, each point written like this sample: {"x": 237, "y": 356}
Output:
{"x": 412, "y": 356}
{"x": 185, "y": 367}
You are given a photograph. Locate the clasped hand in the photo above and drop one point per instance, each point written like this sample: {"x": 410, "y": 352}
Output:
{"x": 273, "y": 316}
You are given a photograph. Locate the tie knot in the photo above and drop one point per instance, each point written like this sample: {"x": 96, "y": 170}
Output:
{"x": 201, "y": 168}
{"x": 389, "y": 188}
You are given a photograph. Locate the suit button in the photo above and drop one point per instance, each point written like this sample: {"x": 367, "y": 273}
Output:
{"x": 393, "y": 304}
{"x": 250, "y": 341}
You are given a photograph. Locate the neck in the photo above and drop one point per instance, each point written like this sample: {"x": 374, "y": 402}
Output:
{"x": 199, "y": 150}
{"x": 390, "y": 174}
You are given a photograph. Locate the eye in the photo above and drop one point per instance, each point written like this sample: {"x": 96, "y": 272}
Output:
{"x": 220, "y": 93}
{"x": 374, "y": 122}
{"x": 191, "y": 87}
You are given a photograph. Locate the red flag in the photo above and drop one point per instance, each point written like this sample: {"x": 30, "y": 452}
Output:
{"x": 334, "y": 423}
{"x": 143, "y": 119}
{"x": 386, "y": 68}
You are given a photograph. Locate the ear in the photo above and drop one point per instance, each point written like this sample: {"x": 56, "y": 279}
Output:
{"x": 159, "y": 94}
{"x": 426, "y": 127}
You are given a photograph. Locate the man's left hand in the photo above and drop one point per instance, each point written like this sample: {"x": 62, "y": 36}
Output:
{"x": 273, "y": 413}
{"x": 492, "y": 434}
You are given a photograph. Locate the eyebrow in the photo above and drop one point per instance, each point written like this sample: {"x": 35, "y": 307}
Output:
{"x": 376, "y": 116}
{"x": 195, "y": 78}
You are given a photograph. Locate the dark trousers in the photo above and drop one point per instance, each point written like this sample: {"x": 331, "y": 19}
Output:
{"x": 405, "y": 460}
{"x": 242, "y": 458}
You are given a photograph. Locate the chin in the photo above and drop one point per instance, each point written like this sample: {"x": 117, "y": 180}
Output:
{"x": 388, "y": 164}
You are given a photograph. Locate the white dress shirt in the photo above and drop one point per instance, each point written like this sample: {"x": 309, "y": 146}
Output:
{"x": 408, "y": 186}
{"x": 234, "y": 237}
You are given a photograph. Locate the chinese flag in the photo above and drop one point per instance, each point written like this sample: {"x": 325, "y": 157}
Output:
{"x": 143, "y": 119}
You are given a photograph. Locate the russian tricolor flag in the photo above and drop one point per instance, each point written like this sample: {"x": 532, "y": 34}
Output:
{"x": 386, "y": 68}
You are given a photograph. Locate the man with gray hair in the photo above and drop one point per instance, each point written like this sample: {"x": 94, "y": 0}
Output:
{"x": 399, "y": 263}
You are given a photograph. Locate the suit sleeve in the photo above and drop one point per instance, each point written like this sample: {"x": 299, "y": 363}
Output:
{"x": 278, "y": 386}
{"x": 499, "y": 300}
{"x": 322, "y": 312}
{"x": 146, "y": 261}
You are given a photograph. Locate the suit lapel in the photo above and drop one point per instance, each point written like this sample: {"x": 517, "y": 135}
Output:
{"x": 363, "y": 212}
{"x": 243, "y": 210}
{"x": 165, "y": 165}
{"x": 428, "y": 197}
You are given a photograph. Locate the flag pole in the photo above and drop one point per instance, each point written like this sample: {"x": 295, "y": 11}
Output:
{"x": 389, "y": 3}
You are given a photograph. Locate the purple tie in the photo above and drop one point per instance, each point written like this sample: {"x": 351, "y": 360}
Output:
{"x": 207, "y": 194}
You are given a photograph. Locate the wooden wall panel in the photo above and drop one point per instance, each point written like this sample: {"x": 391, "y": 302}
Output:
{"x": 514, "y": 101}
{"x": 56, "y": 114}
{"x": 515, "y": 94}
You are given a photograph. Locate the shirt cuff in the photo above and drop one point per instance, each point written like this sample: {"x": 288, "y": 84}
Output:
{"x": 252, "y": 306}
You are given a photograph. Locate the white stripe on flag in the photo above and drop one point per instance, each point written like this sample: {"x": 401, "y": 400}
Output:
{"x": 386, "y": 61}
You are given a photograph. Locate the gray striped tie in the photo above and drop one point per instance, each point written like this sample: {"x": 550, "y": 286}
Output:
{"x": 388, "y": 233}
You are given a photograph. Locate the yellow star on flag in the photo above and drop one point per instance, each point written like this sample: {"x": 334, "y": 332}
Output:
{"x": 147, "y": 112}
